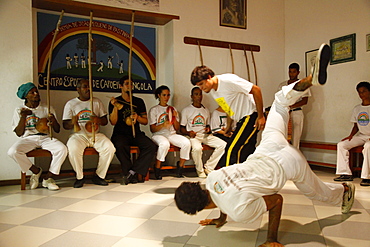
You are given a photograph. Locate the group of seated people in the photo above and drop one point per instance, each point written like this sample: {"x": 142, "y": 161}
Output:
{"x": 34, "y": 121}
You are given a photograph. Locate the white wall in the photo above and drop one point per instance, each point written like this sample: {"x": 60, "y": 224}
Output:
{"x": 307, "y": 25}
{"x": 265, "y": 27}
{"x": 15, "y": 69}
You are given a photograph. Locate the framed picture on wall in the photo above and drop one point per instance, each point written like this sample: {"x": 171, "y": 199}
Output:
{"x": 368, "y": 42}
{"x": 343, "y": 49}
{"x": 233, "y": 13}
{"x": 310, "y": 60}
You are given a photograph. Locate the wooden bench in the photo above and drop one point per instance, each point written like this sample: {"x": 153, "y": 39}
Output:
{"x": 355, "y": 155}
{"x": 91, "y": 151}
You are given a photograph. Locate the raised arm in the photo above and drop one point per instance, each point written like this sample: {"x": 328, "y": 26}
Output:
{"x": 21, "y": 127}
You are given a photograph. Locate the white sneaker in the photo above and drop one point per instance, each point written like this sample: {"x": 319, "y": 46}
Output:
{"x": 319, "y": 74}
{"x": 50, "y": 184}
{"x": 34, "y": 180}
{"x": 348, "y": 198}
{"x": 201, "y": 174}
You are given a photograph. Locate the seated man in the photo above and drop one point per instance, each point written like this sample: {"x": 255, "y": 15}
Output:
{"x": 246, "y": 191}
{"x": 360, "y": 135}
{"x": 29, "y": 124}
{"x": 194, "y": 123}
{"x": 122, "y": 118}
{"x": 78, "y": 116}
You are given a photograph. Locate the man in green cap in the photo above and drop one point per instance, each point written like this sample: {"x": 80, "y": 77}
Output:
{"x": 28, "y": 123}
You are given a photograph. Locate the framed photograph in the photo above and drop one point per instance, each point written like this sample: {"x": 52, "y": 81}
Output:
{"x": 368, "y": 42}
{"x": 343, "y": 49}
{"x": 233, "y": 13}
{"x": 310, "y": 60}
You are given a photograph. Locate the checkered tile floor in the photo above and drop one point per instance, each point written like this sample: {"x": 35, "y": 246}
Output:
{"x": 145, "y": 215}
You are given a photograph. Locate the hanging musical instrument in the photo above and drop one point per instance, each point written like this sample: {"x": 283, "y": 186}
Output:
{"x": 129, "y": 122}
{"x": 91, "y": 126}
{"x": 43, "y": 125}
{"x": 246, "y": 61}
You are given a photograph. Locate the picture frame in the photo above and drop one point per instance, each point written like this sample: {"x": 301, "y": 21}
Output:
{"x": 368, "y": 42}
{"x": 310, "y": 57}
{"x": 343, "y": 49}
{"x": 233, "y": 13}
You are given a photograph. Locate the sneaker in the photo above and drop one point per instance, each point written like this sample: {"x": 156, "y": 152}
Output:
{"x": 342, "y": 178}
{"x": 50, "y": 184}
{"x": 34, "y": 180}
{"x": 365, "y": 182}
{"x": 348, "y": 198}
{"x": 319, "y": 74}
{"x": 201, "y": 174}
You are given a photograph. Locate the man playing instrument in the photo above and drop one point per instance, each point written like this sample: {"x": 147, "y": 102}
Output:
{"x": 77, "y": 115}
{"x": 31, "y": 123}
{"x": 124, "y": 135}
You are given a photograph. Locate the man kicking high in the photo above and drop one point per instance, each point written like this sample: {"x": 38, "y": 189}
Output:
{"x": 245, "y": 191}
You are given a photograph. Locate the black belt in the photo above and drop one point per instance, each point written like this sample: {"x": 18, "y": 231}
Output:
{"x": 296, "y": 109}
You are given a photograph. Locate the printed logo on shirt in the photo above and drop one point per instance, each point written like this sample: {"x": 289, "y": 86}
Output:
{"x": 198, "y": 120}
{"x": 84, "y": 115}
{"x": 363, "y": 118}
{"x": 218, "y": 188}
{"x": 162, "y": 118}
{"x": 31, "y": 121}
{"x": 222, "y": 102}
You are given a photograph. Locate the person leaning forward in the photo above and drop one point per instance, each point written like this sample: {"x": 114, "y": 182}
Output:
{"x": 242, "y": 101}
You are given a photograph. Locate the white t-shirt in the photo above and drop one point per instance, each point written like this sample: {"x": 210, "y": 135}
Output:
{"x": 39, "y": 112}
{"x": 219, "y": 121}
{"x": 361, "y": 116}
{"x": 233, "y": 95}
{"x": 158, "y": 115}
{"x": 82, "y": 109}
{"x": 238, "y": 190}
{"x": 195, "y": 119}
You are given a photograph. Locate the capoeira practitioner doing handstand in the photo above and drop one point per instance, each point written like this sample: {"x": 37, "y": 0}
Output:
{"x": 245, "y": 191}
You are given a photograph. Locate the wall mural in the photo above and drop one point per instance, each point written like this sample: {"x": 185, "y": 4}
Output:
{"x": 110, "y": 52}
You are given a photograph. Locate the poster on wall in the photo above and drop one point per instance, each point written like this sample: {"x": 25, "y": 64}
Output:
{"x": 110, "y": 53}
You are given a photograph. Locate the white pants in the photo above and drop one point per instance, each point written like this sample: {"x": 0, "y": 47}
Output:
{"x": 76, "y": 146}
{"x": 164, "y": 143}
{"x": 343, "y": 148}
{"x": 297, "y": 118}
{"x": 197, "y": 151}
{"x": 275, "y": 146}
{"x": 57, "y": 149}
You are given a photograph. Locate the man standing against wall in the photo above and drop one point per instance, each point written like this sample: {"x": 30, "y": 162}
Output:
{"x": 296, "y": 113}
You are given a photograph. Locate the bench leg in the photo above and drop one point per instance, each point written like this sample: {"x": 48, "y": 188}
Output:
{"x": 23, "y": 181}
